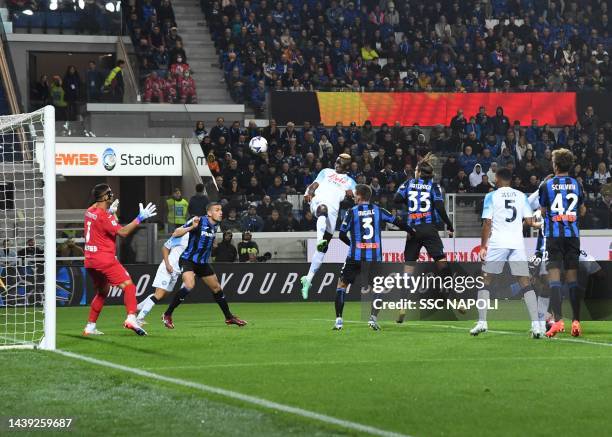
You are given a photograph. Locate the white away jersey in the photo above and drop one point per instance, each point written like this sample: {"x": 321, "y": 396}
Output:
{"x": 506, "y": 207}
{"x": 177, "y": 246}
{"x": 332, "y": 187}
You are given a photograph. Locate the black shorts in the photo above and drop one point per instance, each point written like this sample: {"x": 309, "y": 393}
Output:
{"x": 425, "y": 236}
{"x": 350, "y": 270}
{"x": 563, "y": 252}
{"x": 201, "y": 270}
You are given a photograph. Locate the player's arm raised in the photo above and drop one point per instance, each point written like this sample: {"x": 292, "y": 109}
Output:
{"x": 187, "y": 227}
{"x": 145, "y": 212}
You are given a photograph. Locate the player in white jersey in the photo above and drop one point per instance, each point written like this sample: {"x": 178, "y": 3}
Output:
{"x": 167, "y": 274}
{"x": 324, "y": 195}
{"x": 502, "y": 241}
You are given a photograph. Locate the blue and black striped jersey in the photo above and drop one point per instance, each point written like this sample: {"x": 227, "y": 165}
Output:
{"x": 201, "y": 241}
{"x": 364, "y": 222}
{"x": 562, "y": 197}
{"x": 420, "y": 195}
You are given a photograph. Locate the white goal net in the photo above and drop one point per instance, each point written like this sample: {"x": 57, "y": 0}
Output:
{"x": 27, "y": 230}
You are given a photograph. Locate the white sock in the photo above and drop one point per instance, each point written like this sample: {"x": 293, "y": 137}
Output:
{"x": 321, "y": 227}
{"x": 90, "y": 326}
{"x": 146, "y": 306}
{"x": 131, "y": 318}
{"x": 315, "y": 265}
{"x": 531, "y": 300}
{"x": 543, "y": 303}
{"x": 482, "y": 312}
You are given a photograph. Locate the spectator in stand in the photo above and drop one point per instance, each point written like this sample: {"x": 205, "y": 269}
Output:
{"x": 499, "y": 125}
{"x": 95, "y": 80}
{"x": 231, "y": 222}
{"x": 247, "y": 248}
{"x": 154, "y": 89}
{"x": 198, "y": 202}
{"x": 467, "y": 160}
{"x": 58, "y": 100}
{"x": 308, "y": 222}
{"x": 251, "y": 221}
{"x": 275, "y": 223}
{"x": 186, "y": 88}
{"x": 602, "y": 175}
{"x": 492, "y": 171}
{"x": 225, "y": 251}
{"x": 484, "y": 186}
{"x": 476, "y": 176}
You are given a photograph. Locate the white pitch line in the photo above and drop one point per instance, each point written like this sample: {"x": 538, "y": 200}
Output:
{"x": 492, "y": 331}
{"x": 238, "y": 396}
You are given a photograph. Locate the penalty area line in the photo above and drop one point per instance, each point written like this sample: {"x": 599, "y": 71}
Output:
{"x": 236, "y": 395}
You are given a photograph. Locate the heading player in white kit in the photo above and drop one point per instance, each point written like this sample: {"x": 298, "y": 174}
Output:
{"x": 166, "y": 277}
{"x": 502, "y": 241}
{"x": 325, "y": 194}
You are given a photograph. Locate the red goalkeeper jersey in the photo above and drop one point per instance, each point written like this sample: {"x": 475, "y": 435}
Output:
{"x": 100, "y": 232}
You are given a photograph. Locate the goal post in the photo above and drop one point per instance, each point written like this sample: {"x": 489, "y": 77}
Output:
{"x": 28, "y": 230}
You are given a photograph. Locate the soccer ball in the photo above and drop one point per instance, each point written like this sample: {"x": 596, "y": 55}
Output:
{"x": 258, "y": 144}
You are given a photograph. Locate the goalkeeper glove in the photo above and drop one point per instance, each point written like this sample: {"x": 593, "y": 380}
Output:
{"x": 146, "y": 212}
{"x": 114, "y": 206}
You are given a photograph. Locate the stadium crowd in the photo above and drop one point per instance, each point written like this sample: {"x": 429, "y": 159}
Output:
{"x": 164, "y": 74}
{"x": 469, "y": 152}
{"x": 415, "y": 45}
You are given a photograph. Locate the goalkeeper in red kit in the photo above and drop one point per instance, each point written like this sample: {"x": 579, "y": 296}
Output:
{"x": 101, "y": 230}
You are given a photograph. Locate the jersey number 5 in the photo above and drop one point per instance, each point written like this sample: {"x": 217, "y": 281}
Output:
{"x": 511, "y": 207}
{"x": 369, "y": 229}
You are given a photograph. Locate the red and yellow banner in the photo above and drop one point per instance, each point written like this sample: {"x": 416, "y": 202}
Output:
{"x": 430, "y": 109}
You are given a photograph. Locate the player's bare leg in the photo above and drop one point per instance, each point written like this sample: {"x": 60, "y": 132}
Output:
{"x": 212, "y": 282}
{"x": 129, "y": 299}
{"x": 96, "y": 307}
{"x": 147, "y": 305}
{"x": 323, "y": 239}
{"x": 188, "y": 285}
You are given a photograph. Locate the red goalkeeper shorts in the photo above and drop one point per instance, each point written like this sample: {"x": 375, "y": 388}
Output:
{"x": 107, "y": 273}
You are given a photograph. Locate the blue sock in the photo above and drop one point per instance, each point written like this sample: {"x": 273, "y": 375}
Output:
{"x": 339, "y": 301}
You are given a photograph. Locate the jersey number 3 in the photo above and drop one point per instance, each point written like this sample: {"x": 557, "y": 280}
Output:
{"x": 369, "y": 229}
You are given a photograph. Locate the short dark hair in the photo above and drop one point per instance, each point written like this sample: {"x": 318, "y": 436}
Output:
{"x": 364, "y": 192}
{"x": 199, "y": 188}
{"x": 504, "y": 174}
{"x": 211, "y": 205}
{"x": 563, "y": 160}
{"x": 97, "y": 192}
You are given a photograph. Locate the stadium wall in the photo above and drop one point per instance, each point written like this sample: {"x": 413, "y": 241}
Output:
{"x": 430, "y": 109}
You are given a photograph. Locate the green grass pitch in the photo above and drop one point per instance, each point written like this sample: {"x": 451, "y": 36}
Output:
{"x": 418, "y": 379}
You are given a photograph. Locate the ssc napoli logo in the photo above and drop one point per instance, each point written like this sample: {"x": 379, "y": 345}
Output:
{"x": 109, "y": 159}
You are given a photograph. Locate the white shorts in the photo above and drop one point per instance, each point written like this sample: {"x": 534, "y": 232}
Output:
{"x": 586, "y": 262}
{"x": 332, "y": 213}
{"x": 164, "y": 280}
{"x": 497, "y": 258}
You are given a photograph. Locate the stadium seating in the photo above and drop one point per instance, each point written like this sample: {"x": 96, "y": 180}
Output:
{"x": 385, "y": 157}
{"x": 473, "y": 46}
